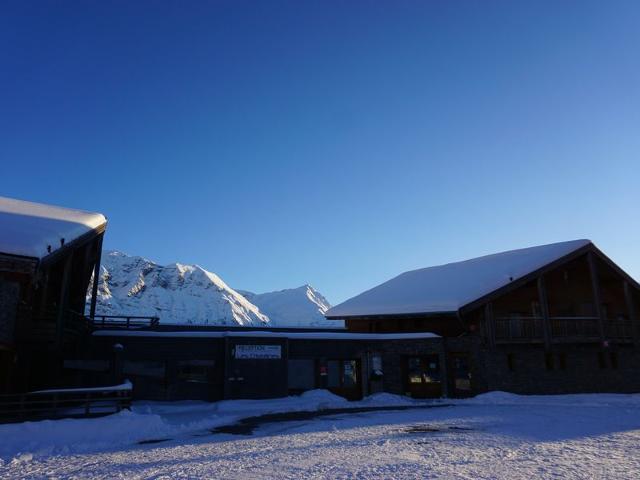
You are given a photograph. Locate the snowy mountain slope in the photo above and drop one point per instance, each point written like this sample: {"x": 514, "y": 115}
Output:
{"x": 178, "y": 294}
{"x": 295, "y": 307}
{"x": 189, "y": 294}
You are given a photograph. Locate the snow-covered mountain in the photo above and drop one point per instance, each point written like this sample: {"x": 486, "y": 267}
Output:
{"x": 295, "y": 307}
{"x": 189, "y": 294}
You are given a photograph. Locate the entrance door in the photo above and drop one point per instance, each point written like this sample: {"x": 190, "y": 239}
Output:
{"x": 460, "y": 374}
{"x": 343, "y": 378}
{"x": 422, "y": 377}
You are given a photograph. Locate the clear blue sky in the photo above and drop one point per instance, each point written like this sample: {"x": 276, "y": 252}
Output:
{"x": 335, "y": 143}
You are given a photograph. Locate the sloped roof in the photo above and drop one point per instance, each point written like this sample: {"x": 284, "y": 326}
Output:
{"x": 447, "y": 288}
{"x": 28, "y": 228}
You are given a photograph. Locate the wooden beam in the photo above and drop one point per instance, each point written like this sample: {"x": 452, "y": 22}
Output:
{"x": 63, "y": 300}
{"x": 633, "y": 315}
{"x": 490, "y": 322}
{"x": 96, "y": 278}
{"x": 597, "y": 296}
{"x": 544, "y": 309}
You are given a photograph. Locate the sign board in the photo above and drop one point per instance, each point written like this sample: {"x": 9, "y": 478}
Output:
{"x": 263, "y": 352}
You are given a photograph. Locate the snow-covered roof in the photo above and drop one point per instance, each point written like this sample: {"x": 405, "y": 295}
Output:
{"x": 266, "y": 334}
{"x": 447, "y": 288}
{"x": 28, "y": 228}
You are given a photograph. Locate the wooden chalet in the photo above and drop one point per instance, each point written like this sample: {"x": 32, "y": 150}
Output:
{"x": 555, "y": 318}
{"x": 47, "y": 257}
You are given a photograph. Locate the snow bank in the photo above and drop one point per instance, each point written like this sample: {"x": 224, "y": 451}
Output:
{"x": 581, "y": 399}
{"x": 158, "y": 420}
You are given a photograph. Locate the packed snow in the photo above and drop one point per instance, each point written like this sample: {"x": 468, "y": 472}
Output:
{"x": 493, "y": 436}
{"x": 32, "y": 229}
{"x": 449, "y": 287}
{"x": 188, "y": 294}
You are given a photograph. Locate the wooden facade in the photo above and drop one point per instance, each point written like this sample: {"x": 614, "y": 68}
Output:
{"x": 43, "y": 317}
{"x": 581, "y": 310}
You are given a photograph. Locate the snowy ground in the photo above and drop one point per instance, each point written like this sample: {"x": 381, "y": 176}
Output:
{"x": 493, "y": 436}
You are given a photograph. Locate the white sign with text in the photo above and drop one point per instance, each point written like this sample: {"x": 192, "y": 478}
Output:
{"x": 259, "y": 351}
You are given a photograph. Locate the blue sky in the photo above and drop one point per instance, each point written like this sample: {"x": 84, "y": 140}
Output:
{"x": 331, "y": 143}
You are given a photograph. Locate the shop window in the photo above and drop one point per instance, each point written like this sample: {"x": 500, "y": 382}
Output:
{"x": 144, "y": 368}
{"x": 194, "y": 371}
{"x": 342, "y": 373}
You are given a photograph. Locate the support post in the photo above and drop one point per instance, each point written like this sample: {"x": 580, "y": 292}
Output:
{"x": 633, "y": 315}
{"x": 544, "y": 310}
{"x": 63, "y": 300}
{"x": 597, "y": 296}
{"x": 96, "y": 278}
{"x": 491, "y": 324}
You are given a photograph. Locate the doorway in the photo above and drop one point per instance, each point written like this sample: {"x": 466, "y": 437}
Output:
{"x": 423, "y": 377}
{"x": 460, "y": 374}
{"x": 343, "y": 378}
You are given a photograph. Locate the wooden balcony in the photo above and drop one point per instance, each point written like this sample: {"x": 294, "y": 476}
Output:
{"x": 124, "y": 322}
{"x": 523, "y": 329}
{"x": 519, "y": 329}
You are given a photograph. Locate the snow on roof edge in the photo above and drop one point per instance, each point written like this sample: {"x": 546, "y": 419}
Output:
{"x": 268, "y": 334}
{"x": 442, "y": 307}
{"x": 37, "y": 230}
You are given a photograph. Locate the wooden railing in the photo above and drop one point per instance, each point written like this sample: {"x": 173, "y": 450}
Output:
{"x": 64, "y": 403}
{"x": 522, "y": 328}
{"x": 519, "y": 328}
{"x": 575, "y": 327}
{"x": 127, "y": 322}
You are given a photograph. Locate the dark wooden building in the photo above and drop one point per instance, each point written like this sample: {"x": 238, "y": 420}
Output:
{"x": 47, "y": 257}
{"x": 559, "y": 318}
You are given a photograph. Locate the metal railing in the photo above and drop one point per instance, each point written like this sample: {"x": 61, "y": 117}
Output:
{"x": 79, "y": 402}
{"x": 127, "y": 322}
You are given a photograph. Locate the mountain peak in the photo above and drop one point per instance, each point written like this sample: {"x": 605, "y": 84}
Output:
{"x": 189, "y": 294}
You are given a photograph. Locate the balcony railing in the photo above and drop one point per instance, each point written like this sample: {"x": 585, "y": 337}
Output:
{"x": 618, "y": 329}
{"x": 519, "y": 328}
{"x": 574, "y": 327}
{"x": 126, "y": 322}
{"x": 529, "y": 328}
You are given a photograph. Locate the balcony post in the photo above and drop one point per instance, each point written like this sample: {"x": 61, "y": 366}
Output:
{"x": 633, "y": 315}
{"x": 63, "y": 300}
{"x": 490, "y": 322}
{"x": 96, "y": 278}
{"x": 544, "y": 309}
{"x": 597, "y": 297}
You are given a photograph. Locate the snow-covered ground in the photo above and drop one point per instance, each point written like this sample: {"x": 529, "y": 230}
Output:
{"x": 492, "y": 436}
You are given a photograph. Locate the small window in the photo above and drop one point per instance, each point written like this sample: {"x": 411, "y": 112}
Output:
{"x": 511, "y": 362}
{"x": 613, "y": 358}
{"x": 194, "y": 371}
{"x": 602, "y": 363}
{"x": 549, "y": 361}
{"x": 562, "y": 361}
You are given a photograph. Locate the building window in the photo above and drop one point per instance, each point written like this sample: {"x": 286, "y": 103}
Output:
{"x": 549, "y": 361}
{"x": 602, "y": 363}
{"x": 511, "y": 362}
{"x": 194, "y": 371}
{"x": 613, "y": 358}
{"x": 562, "y": 361}
{"x": 342, "y": 373}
